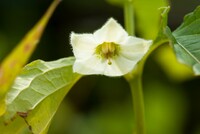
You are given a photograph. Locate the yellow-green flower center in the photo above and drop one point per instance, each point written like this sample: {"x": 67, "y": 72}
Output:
{"x": 107, "y": 50}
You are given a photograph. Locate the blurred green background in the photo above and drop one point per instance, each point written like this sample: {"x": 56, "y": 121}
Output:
{"x": 98, "y": 104}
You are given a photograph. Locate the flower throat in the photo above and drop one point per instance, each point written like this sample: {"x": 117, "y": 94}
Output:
{"x": 107, "y": 50}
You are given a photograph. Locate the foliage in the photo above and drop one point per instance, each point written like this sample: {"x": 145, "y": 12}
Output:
{"x": 186, "y": 39}
{"x": 40, "y": 87}
{"x": 37, "y": 93}
{"x": 12, "y": 65}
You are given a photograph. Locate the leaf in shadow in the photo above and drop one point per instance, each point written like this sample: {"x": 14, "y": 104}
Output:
{"x": 186, "y": 41}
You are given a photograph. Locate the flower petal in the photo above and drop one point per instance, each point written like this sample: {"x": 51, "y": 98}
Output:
{"x": 111, "y": 31}
{"x": 119, "y": 67}
{"x": 83, "y": 45}
{"x": 92, "y": 65}
{"x": 134, "y": 48}
{"x": 112, "y": 70}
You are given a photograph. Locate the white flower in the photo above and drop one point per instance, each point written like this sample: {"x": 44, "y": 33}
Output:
{"x": 108, "y": 51}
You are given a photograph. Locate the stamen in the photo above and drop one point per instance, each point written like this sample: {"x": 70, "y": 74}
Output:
{"x": 107, "y": 50}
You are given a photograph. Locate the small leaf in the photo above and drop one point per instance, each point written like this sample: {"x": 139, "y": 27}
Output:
{"x": 12, "y": 65}
{"x": 161, "y": 35}
{"x": 38, "y": 91}
{"x": 186, "y": 41}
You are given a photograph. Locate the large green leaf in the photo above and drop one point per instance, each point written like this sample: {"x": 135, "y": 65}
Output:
{"x": 37, "y": 93}
{"x": 147, "y": 15}
{"x": 186, "y": 41}
{"x": 11, "y": 66}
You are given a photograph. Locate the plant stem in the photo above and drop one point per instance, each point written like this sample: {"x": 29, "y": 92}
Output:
{"x": 135, "y": 82}
{"x": 135, "y": 77}
{"x": 129, "y": 17}
{"x": 138, "y": 103}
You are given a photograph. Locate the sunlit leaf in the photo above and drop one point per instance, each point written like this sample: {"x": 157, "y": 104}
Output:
{"x": 12, "y": 64}
{"x": 38, "y": 91}
{"x": 147, "y": 15}
{"x": 186, "y": 41}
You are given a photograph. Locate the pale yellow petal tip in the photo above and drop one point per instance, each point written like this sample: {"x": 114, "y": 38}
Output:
{"x": 149, "y": 42}
{"x": 111, "y": 20}
{"x": 72, "y": 34}
{"x": 148, "y": 45}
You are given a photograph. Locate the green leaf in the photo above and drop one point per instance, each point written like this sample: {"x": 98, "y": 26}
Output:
{"x": 161, "y": 34}
{"x": 186, "y": 41}
{"x": 38, "y": 91}
{"x": 11, "y": 66}
{"x": 161, "y": 37}
{"x": 147, "y": 15}
{"x": 18, "y": 126}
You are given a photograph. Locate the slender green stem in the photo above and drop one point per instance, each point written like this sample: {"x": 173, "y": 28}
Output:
{"x": 129, "y": 17}
{"x": 138, "y": 102}
{"x": 135, "y": 81}
{"x": 135, "y": 77}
